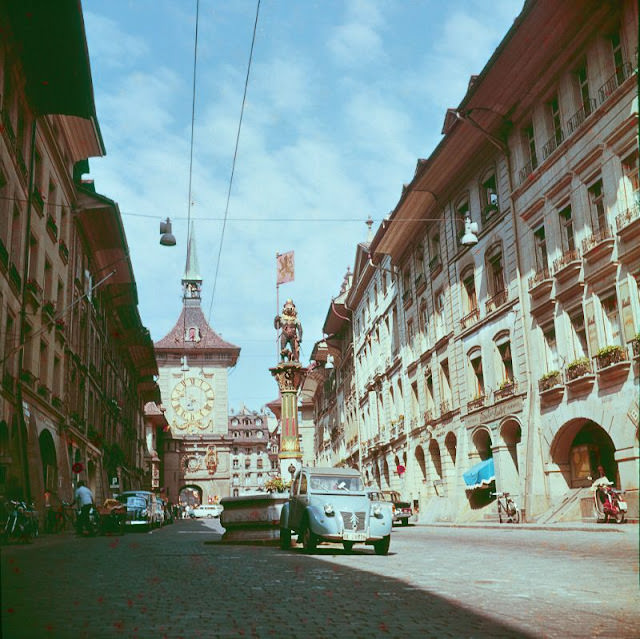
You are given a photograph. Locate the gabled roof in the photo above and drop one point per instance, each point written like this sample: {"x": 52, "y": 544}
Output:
{"x": 192, "y": 315}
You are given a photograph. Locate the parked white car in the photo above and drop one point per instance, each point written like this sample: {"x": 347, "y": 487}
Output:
{"x": 207, "y": 511}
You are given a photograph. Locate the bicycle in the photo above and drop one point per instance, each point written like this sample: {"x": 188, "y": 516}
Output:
{"x": 60, "y": 518}
{"x": 508, "y": 510}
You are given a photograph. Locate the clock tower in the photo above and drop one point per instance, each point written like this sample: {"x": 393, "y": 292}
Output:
{"x": 193, "y": 364}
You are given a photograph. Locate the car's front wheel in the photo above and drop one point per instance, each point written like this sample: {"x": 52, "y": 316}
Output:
{"x": 382, "y": 547}
{"x": 285, "y": 538}
{"x": 309, "y": 540}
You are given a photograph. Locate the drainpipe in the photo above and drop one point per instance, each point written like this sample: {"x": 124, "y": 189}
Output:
{"x": 504, "y": 148}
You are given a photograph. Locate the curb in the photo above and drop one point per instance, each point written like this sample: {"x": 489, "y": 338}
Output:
{"x": 568, "y": 527}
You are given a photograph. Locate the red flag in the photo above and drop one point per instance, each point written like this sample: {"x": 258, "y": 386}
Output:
{"x": 285, "y": 265}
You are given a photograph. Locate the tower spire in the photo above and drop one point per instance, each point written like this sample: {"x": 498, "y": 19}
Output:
{"x": 191, "y": 280}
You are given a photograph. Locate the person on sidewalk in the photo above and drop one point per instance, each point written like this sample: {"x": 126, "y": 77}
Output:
{"x": 84, "y": 499}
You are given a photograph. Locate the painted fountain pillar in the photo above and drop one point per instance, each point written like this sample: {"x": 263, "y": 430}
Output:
{"x": 289, "y": 375}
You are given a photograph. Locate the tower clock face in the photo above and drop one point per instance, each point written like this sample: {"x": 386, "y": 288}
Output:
{"x": 192, "y": 399}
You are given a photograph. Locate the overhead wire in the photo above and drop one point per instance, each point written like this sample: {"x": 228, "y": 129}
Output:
{"x": 233, "y": 164}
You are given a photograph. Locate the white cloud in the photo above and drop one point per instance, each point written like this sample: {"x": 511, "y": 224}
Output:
{"x": 109, "y": 43}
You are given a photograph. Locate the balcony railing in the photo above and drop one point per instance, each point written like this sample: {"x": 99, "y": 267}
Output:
{"x": 596, "y": 237}
{"x": 538, "y": 277}
{"x": 496, "y": 301}
{"x": 470, "y": 318}
{"x": 578, "y": 118}
{"x": 631, "y": 214}
{"x": 526, "y": 171}
{"x": 435, "y": 265}
{"x": 566, "y": 258}
{"x": 609, "y": 87}
{"x": 506, "y": 389}
{"x": 552, "y": 143}
{"x": 476, "y": 402}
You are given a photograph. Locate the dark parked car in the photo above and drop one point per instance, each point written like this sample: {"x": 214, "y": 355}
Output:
{"x": 401, "y": 508}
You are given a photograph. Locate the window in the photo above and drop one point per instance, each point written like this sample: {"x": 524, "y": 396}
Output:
{"x": 495, "y": 271}
{"x": 415, "y": 407}
{"x": 556, "y": 122}
{"x": 445, "y": 387}
{"x": 540, "y": 249}
{"x": 44, "y": 361}
{"x": 462, "y": 212}
{"x": 530, "y": 141}
{"x": 618, "y": 59}
{"x": 489, "y": 193}
{"x": 566, "y": 230}
{"x": 598, "y": 212}
{"x": 611, "y": 320}
{"x": 428, "y": 391}
{"x": 470, "y": 300}
{"x": 422, "y": 317}
{"x": 504, "y": 348}
{"x": 477, "y": 376}
{"x": 236, "y": 463}
{"x": 551, "y": 349}
{"x": 410, "y": 333}
{"x": 438, "y": 304}
{"x": 434, "y": 251}
{"x": 631, "y": 179}
{"x": 579, "y": 334}
{"x": 583, "y": 87}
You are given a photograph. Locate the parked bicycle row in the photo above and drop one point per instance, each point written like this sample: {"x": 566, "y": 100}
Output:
{"x": 139, "y": 509}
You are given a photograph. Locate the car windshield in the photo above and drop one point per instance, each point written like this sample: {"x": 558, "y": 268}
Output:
{"x": 335, "y": 483}
{"x": 133, "y": 501}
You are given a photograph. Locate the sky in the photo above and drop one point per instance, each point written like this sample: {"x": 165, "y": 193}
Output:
{"x": 343, "y": 97}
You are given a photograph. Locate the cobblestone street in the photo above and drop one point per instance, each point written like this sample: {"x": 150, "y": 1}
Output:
{"x": 437, "y": 581}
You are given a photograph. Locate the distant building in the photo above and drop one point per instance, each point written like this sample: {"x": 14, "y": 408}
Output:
{"x": 254, "y": 452}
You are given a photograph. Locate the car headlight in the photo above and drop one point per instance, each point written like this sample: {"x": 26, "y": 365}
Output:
{"x": 144, "y": 513}
{"x": 328, "y": 510}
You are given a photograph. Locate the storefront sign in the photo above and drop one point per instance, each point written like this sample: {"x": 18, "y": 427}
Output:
{"x": 492, "y": 413}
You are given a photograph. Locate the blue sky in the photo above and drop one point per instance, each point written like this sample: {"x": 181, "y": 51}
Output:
{"x": 343, "y": 98}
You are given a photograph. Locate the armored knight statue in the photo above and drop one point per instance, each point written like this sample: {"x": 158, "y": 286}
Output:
{"x": 291, "y": 335}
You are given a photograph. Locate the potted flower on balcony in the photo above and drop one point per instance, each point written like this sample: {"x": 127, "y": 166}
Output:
{"x": 59, "y": 324}
{"x": 63, "y": 250}
{"x": 42, "y": 390}
{"x": 635, "y": 345}
{"x": 52, "y": 228}
{"x": 578, "y": 368}
{"x": 609, "y": 355}
{"x": 549, "y": 380}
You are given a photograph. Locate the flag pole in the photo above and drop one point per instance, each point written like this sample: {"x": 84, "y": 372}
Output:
{"x": 277, "y": 303}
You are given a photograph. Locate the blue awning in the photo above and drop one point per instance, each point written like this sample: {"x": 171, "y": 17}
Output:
{"x": 480, "y": 476}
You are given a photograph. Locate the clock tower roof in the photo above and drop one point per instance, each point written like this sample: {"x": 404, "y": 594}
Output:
{"x": 193, "y": 333}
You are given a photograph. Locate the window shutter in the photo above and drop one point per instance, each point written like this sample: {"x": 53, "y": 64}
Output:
{"x": 592, "y": 332}
{"x": 626, "y": 313}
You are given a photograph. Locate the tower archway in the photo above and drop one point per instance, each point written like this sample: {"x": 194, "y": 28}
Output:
{"x": 190, "y": 495}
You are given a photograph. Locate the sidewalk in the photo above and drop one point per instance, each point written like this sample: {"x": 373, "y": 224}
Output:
{"x": 575, "y": 526}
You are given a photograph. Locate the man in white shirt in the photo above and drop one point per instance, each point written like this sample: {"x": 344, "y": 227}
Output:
{"x": 84, "y": 499}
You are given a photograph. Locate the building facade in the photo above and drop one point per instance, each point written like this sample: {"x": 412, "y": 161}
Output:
{"x": 76, "y": 363}
{"x": 523, "y": 348}
{"x": 254, "y": 452}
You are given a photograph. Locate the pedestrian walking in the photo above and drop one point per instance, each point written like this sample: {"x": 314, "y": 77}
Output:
{"x": 83, "y": 498}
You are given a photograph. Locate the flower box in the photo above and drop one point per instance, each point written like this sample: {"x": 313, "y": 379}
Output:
{"x": 64, "y": 251}
{"x": 506, "y": 389}
{"x": 28, "y": 377}
{"x": 579, "y": 368}
{"x": 56, "y": 401}
{"x": 42, "y": 390}
{"x": 549, "y": 380}
{"x": 612, "y": 364}
{"x": 52, "y": 228}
